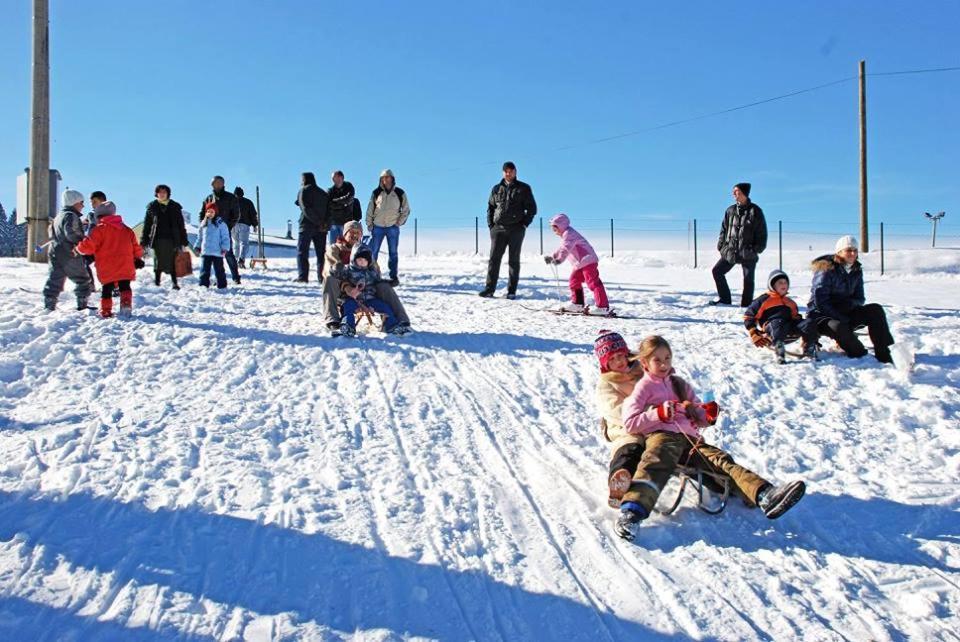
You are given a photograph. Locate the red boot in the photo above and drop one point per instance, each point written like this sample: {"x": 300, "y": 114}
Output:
{"x": 106, "y": 308}
{"x": 126, "y": 303}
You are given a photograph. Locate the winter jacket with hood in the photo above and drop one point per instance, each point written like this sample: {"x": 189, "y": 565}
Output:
{"x": 214, "y": 237}
{"x": 65, "y": 233}
{"x": 314, "y": 210}
{"x": 743, "y": 235}
{"x": 248, "y": 212}
{"x": 387, "y": 207}
{"x": 511, "y": 205}
{"x": 835, "y": 290}
{"x": 770, "y": 305}
{"x": 572, "y": 245}
{"x": 114, "y": 246}
{"x": 640, "y": 408}
{"x": 613, "y": 388}
{"x": 366, "y": 277}
{"x": 164, "y": 222}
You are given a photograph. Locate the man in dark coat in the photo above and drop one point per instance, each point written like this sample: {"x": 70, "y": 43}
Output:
{"x": 228, "y": 209}
{"x": 314, "y": 224}
{"x": 165, "y": 233}
{"x": 838, "y": 304}
{"x": 743, "y": 237}
{"x": 510, "y": 209}
{"x": 344, "y": 206}
{"x": 240, "y": 236}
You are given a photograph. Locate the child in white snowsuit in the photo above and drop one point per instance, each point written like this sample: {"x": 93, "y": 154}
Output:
{"x": 580, "y": 253}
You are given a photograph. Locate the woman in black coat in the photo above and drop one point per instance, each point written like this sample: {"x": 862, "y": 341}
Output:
{"x": 164, "y": 232}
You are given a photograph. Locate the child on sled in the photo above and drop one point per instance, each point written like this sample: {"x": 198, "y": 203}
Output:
{"x": 358, "y": 282}
{"x": 584, "y": 260}
{"x": 773, "y": 319}
{"x": 665, "y": 413}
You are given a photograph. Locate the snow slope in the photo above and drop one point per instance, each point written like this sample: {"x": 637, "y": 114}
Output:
{"x": 218, "y": 468}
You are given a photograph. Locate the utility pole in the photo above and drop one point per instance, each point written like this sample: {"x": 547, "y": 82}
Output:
{"x": 864, "y": 238}
{"x": 38, "y": 187}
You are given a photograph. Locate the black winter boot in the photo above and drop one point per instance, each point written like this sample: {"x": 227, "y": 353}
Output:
{"x": 774, "y": 501}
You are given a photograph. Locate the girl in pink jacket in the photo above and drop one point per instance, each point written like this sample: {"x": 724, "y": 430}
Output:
{"x": 665, "y": 410}
{"x": 580, "y": 253}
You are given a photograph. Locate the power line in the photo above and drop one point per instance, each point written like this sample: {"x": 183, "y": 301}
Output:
{"x": 720, "y": 112}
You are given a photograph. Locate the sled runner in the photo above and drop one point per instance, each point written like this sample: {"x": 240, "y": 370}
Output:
{"x": 696, "y": 478}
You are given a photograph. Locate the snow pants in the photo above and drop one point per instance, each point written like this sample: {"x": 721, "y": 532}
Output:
{"x": 65, "y": 266}
{"x": 216, "y": 262}
{"x": 661, "y": 454}
{"x": 783, "y": 329}
{"x": 591, "y": 275}
{"x": 503, "y": 239}
{"x": 383, "y": 290}
{"x": 870, "y": 315}
{"x": 350, "y": 307}
{"x": 720, "y": 279}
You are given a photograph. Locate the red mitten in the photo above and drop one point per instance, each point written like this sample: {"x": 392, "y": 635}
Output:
{"x": 712, "y": 411}
{"x": 759, "y": 339}
{"x": 665, "y": 411}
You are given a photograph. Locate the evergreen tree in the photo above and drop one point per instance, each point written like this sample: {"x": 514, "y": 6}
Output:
{"x": 13, "y": 237}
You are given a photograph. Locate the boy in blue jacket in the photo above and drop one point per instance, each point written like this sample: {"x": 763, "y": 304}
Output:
{"x": 773, "y": 317}
{"x": 357, "y": 280}
{"x": 213, "y": 243}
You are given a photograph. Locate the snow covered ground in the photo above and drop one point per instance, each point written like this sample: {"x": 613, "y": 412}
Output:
{"x": 218, "y": 468}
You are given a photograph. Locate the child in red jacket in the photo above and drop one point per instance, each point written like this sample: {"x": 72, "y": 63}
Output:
{"x": 117, "y": 254}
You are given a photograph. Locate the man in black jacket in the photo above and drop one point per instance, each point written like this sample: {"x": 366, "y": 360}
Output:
{"x": 743, "y": 237}
{"x": 229, "y": 210}
{"x": 343, "y": 205}
{"x": 510, "y": 209}
{"x": 314, "y": 224}
{"x": 240, "y": 236}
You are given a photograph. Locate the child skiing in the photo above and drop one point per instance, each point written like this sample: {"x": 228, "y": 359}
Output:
{"x": 773, "y": 317}
{"x": 117, "y": 255}
{"x": 666, "y": 412}
{"x": 213, "y": 243}
{"x": 581, "y": 254}
{"x": 358, "y": 281}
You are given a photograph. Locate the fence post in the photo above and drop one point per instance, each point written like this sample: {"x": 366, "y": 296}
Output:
{"x": 414, "y": 236}
{"x": 476, "y": 235}
{"x": 694, "y": 243}
{"x": 611, "y": 238}
{"x": 780, "y": 235}
{"x": 541, "y": 235}
{"x": 881, "y": 248}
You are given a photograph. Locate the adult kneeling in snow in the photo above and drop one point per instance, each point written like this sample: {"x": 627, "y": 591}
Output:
{"x": 837, "y": 303}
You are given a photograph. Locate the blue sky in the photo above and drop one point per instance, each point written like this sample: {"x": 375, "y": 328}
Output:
{"x": 442, "y": 93}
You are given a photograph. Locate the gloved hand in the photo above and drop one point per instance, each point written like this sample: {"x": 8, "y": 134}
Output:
{"x": 759, "y": 339}
{"x": 138, "y": 263}
{"x": 548, "y": 260}
{"x": 712, "y": 410}
{"x": 666, "y": 411}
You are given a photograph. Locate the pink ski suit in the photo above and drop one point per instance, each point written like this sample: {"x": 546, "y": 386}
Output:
{"x": 581, "y": 254}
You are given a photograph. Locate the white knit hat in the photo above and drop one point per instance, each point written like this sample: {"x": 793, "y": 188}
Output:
{"x": 845, "y": 242}
{"x": 71, "y": 197}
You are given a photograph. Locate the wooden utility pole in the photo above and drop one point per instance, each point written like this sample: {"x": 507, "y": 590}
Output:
{"x": 864, "y": 234}
{"x": 38, "y": 181}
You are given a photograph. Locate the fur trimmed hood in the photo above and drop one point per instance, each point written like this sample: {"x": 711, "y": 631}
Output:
{"x": 828, "y": 262}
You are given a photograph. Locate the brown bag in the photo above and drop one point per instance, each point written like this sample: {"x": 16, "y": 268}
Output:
{"x": 183, "y": 264}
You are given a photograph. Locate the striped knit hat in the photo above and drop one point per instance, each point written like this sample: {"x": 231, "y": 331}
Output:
{"x": 607, "y": 344}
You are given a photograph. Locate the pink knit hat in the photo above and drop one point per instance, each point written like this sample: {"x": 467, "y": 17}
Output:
{"x": 607, "y": 344}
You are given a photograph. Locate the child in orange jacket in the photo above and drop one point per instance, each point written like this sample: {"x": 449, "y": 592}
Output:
{"x": 773, "y": 317}
{"x": 117, "y": 254}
